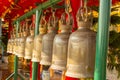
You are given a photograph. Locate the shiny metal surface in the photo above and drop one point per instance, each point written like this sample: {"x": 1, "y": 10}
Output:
{"x": 47, "y": 47}
{"x": 60, "y": 45}
{"x": 29, "y": 47}
{"x": 13, "y": 43}
{"x": 47, "y": 41}
{"x": 29, "y": 44}
{"x": 22, "y": 40}
{"x": 17, "y": 43}
{"x": 36, "y": 56}
{"x": 8, "y": 45}
{"x": 81, "y": 48}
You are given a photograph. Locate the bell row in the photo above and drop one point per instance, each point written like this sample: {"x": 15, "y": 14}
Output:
{"x": 73, "y": 52}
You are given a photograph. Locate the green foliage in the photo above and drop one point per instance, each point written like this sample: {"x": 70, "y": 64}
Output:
{"x": 115, "y": 19}
{"x": 114, "y": 52}
{"x": 114, "y": 40}
{"x": 113, "y": 57}
{"x": 3, "y": 42}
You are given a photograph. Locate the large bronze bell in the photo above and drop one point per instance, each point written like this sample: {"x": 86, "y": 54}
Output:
{"x": 22, "y": 41}
{"x": 36, "y": 56}
{"x": 60, "y": 45}
{"x": 29, "y": 44}
{"x": 81, "y": 47}
{"x": 47, "y": 41}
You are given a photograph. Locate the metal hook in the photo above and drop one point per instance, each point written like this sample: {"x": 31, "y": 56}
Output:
{"x": 23, "y": 27}
{"x": 68, "y": 6}
{"x": 31, "y": 28}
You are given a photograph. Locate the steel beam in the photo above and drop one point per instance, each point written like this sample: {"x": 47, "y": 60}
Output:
{"x": 35, "y": 64}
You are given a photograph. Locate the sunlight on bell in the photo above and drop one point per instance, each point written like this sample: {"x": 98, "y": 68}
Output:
{"x": 29, "y": 44}
{"x": 81, "y": 47}
{"x": 14, "y": 42}
{"x": 47, "y": 41}
{"x": 36, "y": 55}
{"x": 18, "y": 42}
{"x": 60, "y": 45}
{"x": 22, "y": 41}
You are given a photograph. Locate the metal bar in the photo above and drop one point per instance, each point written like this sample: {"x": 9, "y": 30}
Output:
{"x": 102, "y": 40}
{"x": 38, "y": 15}
{"x": 35, "y": 70}
{"x": 8, "y": 78}
{"x": 40, "y": 7}
{"x": 16, "y": 58}
{"x": 21, "y": 77}
{"x": 15, "y": 67}
{"x": 35, "y": 64}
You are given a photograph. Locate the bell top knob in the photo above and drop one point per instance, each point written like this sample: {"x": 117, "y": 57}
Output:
{"x": 19, "y": 32}
{"x": 14, "y": 35}
{"x": 84, "y": 17}
{"x": 66, "y": 24}
{"x": 25, "y": 29}
{"x": 53, "y": 22}
{"x": 31, "y": 30}
{"x": 43, "y": 25}
{"x": 11, "y": 34}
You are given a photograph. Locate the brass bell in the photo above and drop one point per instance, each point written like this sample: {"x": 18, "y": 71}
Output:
{"x": 29, "y": 44}
{"x": 8, "y": 46}
{"x": 21, "y": 35}
{"x": 22, "y": 41}
{"x": 47, "y": 41}
{"x": 60, "y": 45}
{"x": 17, "y": 41}
{"x": 9, "y": 43}
{"x": 15, "y": 45}
{"x": 36, "y": 56}
{"x": 81, "y": 47}
{"x": 14, "y": 42}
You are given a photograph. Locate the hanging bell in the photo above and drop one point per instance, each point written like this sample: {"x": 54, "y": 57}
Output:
{"x": 81, "y": 47}
{"x": 47, "y": 41}
{"x": 21, "y": 35}
{"x": 18, "y": 40}
{"x": 22, "y": 41}
{"x": 9, "y": 43}
{"x": 36, "y": 56}
{"x": 29, "y": 44}
{"x": 60, "y": 45}
{"x": 8, "y": 46}
{"x": 15, "y": 42}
